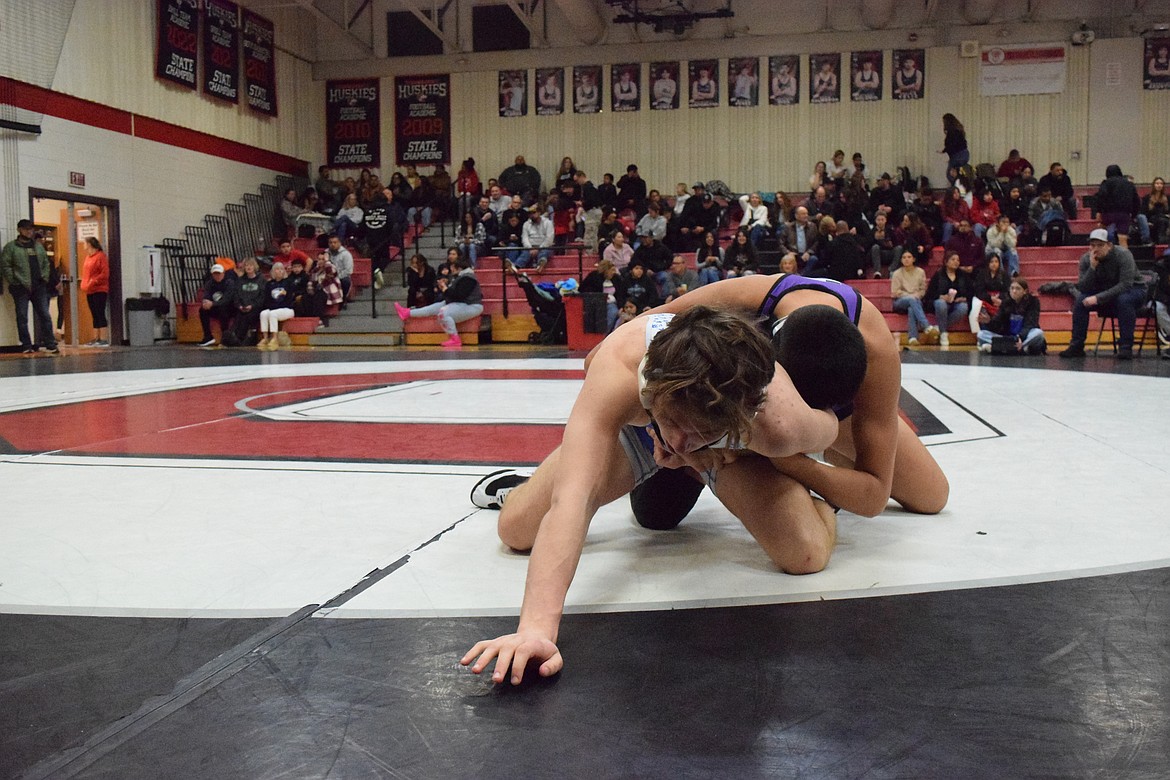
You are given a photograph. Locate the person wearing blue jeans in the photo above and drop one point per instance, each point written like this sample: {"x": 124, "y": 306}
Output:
{"x": 950, "y": 293}
{"x": 1018, "y": 316}
{"x": 25, "y": 267}
{"x": 1110, "y": 284}
{"x": 907, "y": 288}
{"x": 462, "y": 301}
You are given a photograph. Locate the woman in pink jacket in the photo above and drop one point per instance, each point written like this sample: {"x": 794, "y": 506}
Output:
{"x": 95, "y": 283}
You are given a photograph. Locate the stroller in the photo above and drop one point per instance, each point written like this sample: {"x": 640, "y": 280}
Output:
{"x": 547, "y": 309}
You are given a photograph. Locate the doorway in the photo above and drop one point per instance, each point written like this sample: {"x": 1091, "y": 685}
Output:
{"x": 64, "y": 220}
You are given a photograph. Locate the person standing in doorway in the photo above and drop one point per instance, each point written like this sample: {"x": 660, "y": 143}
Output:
{"x": 24, "y": 265}
{"x": 95, "y": 283}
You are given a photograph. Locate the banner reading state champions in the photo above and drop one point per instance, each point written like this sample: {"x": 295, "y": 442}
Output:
{"x": 422, "y": 120}
{"x": 352, "y": 136}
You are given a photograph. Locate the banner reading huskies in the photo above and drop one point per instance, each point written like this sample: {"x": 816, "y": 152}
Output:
{"x": 352, "y": 120}
{"x": 422, "y": 119}
{"x": 177, "y": 54}
{"x": 221, "y": 50}
{"x": 259, "y": 42}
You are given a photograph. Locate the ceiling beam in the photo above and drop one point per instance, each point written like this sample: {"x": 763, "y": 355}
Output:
{"x": 308, "y": 5}
{"x": 526, "y": 20}
{"x": 451, "y": 44}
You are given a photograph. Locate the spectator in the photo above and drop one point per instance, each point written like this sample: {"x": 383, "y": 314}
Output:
{"x": 788, "y": 264}
{"x": 25, "y": 267}
{"x": 842, "y": 259}
{"x": 632, "y": 191}
{"x": 781, "y": 214}
{"x": 290, "y": 210}
{"x": 95, "y": 283}
{"x": 412, "y": 177}
{"x": 967, "y": 246}
{"x": 1109, "y": 283}
{"x": 608, "y": 192}
{"x": 521, "y": 179}
{"x": 1013, "y": 166}
{"x": 821, "y": 205}
{"x": 564, "y": 216}
{"x": 640, "y": 288}
{"x": 755, "y": 217}
{"x": 740, "y": 259}
{"x": 954, "y": 147}
{"x": 887, "y": 199}
{"x": 1057, "y": 182}
{"x": 801, "y": 237}
{"x": 420, "y": 282}
{"x": 1117, "y": 205}
{"x": 655, "y": 256}
{"x": 589, "y": 209}
{"x": 288, "y": 254}
{"x": 1155, "y": 215}
{"x": 681, "y": 196}
{"x": 989, "y": 286}
{"x": 984, "y": 213}
{"x": 1018, "y": 317}
{"x": 298, "y": 283}
{"x": 1001, "y": 242}
{"x": 699, "y": 219}
{"x": 515, "y": 207}
{"x": 929, "y": 213}
{"x": 218, "y": 302}
{"x": 954, "y": 210}
{"x": 277, "y": 307}
{"x": 537, "y": 237}
{"x": 473, "y": 238}
{"x": 566, "y": 173}
{"x": 1044, "y": 213}
{"x": 499, "y": 201}
{"x": 422, "y": 201}
{"x": 348, "y": 221}
{"x": 1015, "y": 208}
{"x": 628, "y": 311}
{"x": 467, "y": 187}
{"x": 249, "y": 301}
{"x": 836, "y": 170}
{"x": 462, "y": 301}
{"x": 907, "y": 288}
{"x": 709, "y": 260}
{"x": 652, "y": 224}
{"x": 385, "y": 227}
{"x": 440, "y": 182}
{"x": 342, "y": 262}
{"x": 679, "y": 280}
{"x": 328, "y": 191}
{"x": 606, "y": 279}
{"x": 858, "y": 174}
{"x": 609, "y": 227}
{"x": 820, "y": 176}
{"x": 512, "y": 239}
{"x": 398, "y": 183}
{"x": 884, "y": 249}
{"x": 618, "y": 252}
{"x": 1162, "y": 300}
{"x": 949, "y": 293}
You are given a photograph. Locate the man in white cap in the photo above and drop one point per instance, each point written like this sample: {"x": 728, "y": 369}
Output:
{"x": 1110, "y": 285}
{"x": 217, "y": 302}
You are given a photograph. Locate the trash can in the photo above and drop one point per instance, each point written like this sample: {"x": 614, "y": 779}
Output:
{"x": 141, "y": 314}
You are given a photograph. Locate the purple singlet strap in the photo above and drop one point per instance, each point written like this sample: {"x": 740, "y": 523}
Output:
{"x": 850, "y": 298}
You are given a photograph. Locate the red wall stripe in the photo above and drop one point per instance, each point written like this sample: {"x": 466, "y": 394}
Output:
{"x": 74, "y": 109}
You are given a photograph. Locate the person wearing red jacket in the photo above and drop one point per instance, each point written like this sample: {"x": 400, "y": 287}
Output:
{"x": 95, "y": 283}
{"x": 984, "y": 213}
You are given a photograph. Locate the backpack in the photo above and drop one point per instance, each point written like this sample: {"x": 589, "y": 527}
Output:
{"x": 985, "y": 171}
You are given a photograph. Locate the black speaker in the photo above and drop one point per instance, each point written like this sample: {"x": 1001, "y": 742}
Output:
{"x": 407, "y": 36}
{"x": 497, "y": 28}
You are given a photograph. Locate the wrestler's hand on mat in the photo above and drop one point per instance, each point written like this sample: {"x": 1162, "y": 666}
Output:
{"x": 515, "y": 650}
{"x": 709, "y": 458}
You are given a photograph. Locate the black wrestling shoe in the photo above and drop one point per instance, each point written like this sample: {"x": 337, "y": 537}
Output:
{"x": 489, "y": 492}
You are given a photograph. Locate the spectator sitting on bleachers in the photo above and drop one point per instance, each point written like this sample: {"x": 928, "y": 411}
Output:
{"x": 851, "y": 208}
{"x": 468, "y": 188}
{"x": 652, "y": 224}
{"x": 1058, "y": 183}
{"x": 473, "y": 238}
{"x": 1046, "y": 218}
{"x": 1013, "y": 166}
{"x": 217, "y": 301}
{"x": 820, "y": 175}
{"x": 656, "y": 257}
{"x": 515, "y": 206}
{"x": 740, "y": 258}
{"x": 914, "y": 237}
{"x": 640, "y": 288}
{"x": 888, "y": 199}
{"x": 536, "y": 237}
{"x": 709, "y": 260}
{"x": 499, "y": 201}
{"x": 907, "y": 288}
{"x": 608, "y": 192}
{"x": 348, "y": 221}
{"x": 837, "y": 170}
{"x": 618, "y": 252}
{"x": 1162, "y": 300}
{"x": 342, "y": 261}
{"x": 327, "y": 281}
{"x": 328, "y": 191}
{"x": 1018, "y": 316}
{"x": 1156, "y": 213}
{"x": 780, "y": 213}
{"x": 788, "y": 264}
{"x": 755, "y": 217}
{"x": 801, "y": 237}
{"x": 422, "y": 203}
{"x": 989, "y": 285}
{"x": 521, "y": 179}
{"x": 440, "y": 182}
{"x": 984, "y": 212}
{"x": 563, "y": 213}
{"x": 884, "y": 249}
{"x": 412, "y": 177}
{"x": 949, "y": 293}
{"x": 310, "y": 201}
{"x": 843, "y": 258}
{"x": 628, "y": 312}
{"x": 288, "y": 255}
{"x": 1001, "y": 242}
{"x": 821, "y": 205}
{"x": 967, "y": 245}
{"x": 290, "y": 210}
{"x": 567, "y": 172}
{"x": 929, "y": 213}
{"x": 700, "y": 217}
{"x": 462, "y": 301}
{"x": 632, "y": 191}
{"x": 605, "y": 278}
{"x": 609, "y": 227}
{"x": 679, "y": 280}
{"x": 249, "y": 301}
{"x": 1015, "y": 208}
{"x": 512, "y": 238}
{"x": 954, "y": 209}
{"x": 420, "y": 282}
{"x": 277, "y": 307}
{"x": 1117, "y": 205}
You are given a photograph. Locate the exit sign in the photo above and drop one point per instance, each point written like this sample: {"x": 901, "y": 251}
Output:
{"x": 76, "y": 179}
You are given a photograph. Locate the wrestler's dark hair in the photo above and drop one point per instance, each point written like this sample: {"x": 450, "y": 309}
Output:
{"x": 823, "y": 353}
{"x": 715, "y": 364}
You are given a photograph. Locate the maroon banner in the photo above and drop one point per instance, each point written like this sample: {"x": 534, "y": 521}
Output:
{"x": 221, "y": 50}
{"x": 422, "y": 119}
{"x": 177, "y": 54}
{"x": 259, "y": 42}
{"x": 352, "y": 136}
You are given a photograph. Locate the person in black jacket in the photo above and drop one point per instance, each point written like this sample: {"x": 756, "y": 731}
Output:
{"x": 842, "y": 258}
{"x": 606, "y": 279}
{"x": 1117, "y": 205}
{"x": 217, "y": 301}
{"x": 949, "y": 292}
{"x": 249, "y": 303}
{"x": 1018, "y": 316}
{"x": 462, "y": 301}
{"x": 1058, "y": 182}
{"x": 640, "y": 288}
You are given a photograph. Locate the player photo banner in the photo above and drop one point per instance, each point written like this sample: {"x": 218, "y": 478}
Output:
{"x": 1156, "y": 72}
{"x": 587, "y": 89}
{"x": 865, "y": 68}
{"x": 824, "y": 85}
{"x": 784, "y": 80}
{"x": 743, "y": 81}
{"x": 703, "y": 78}
{"x": 221, "y": 50}
{"x": 259, "y": 43}
{"x": 352, "y": 120}
{"x": 663, "y": 86}
{"x": 513, "y": 93}
{"x": 625, "y": 83}
{"x": 550, "y": 91}
{"x": 909, "y": 74}
{"x": 422, "y": 119}
{"x": 177, "y": 53}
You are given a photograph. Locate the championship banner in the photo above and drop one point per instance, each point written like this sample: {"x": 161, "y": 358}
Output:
{"x": 352, "y": 136}
{"x": 259, "y": 42}
{"x": 177, "y": 54}
{"x": 422, "y": 120}
{"x": 1022, "y": 70}
{"x": 221, "y": 50}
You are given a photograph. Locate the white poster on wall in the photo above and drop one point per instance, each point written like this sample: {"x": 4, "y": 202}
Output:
{"x": 1023, "y": 70}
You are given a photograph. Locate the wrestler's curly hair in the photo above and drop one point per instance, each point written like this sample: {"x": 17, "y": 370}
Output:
{"x": 715, "y": 364}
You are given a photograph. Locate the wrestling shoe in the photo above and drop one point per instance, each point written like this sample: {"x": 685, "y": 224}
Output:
{"x": 489, "y": 492}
